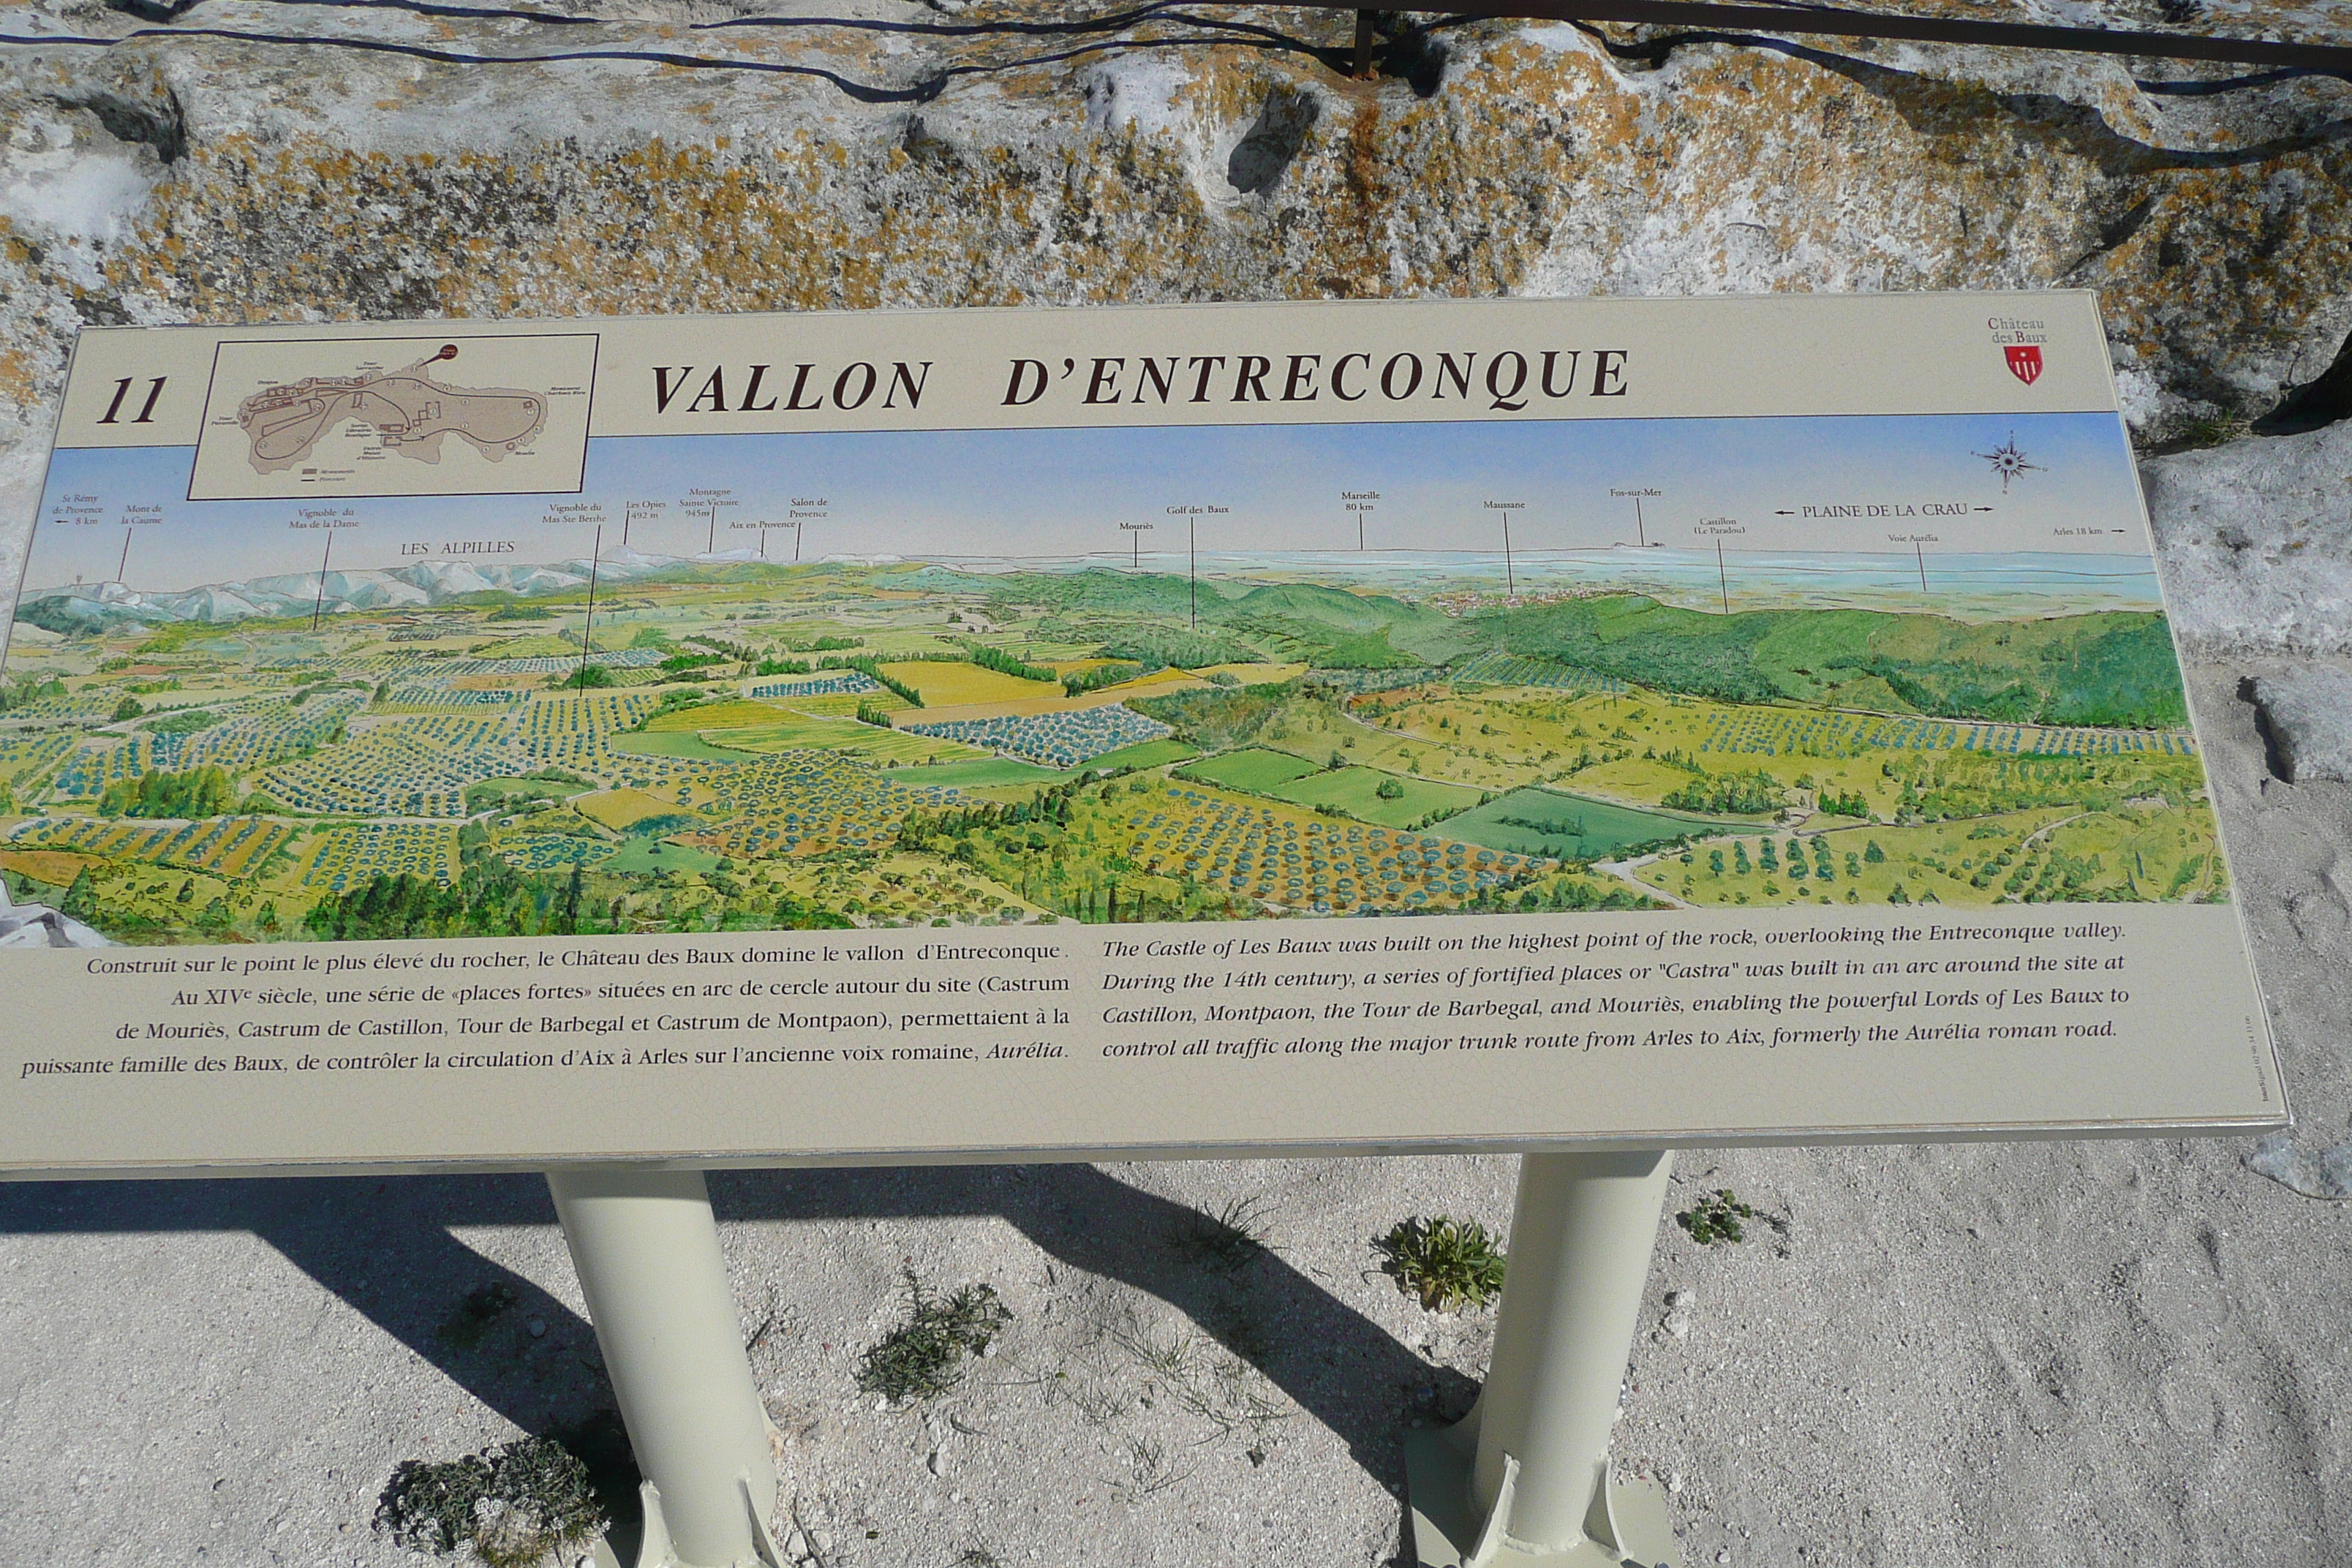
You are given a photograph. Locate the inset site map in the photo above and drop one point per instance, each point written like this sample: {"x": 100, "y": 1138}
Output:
{"x": 408, "y": 410}
{"x": 366, "y": 417}
{"x": 1007, "y": 678}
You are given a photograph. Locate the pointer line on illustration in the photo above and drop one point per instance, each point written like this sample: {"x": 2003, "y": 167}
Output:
{"x": 320, "y": 609}
{"x": 588, "y": 629}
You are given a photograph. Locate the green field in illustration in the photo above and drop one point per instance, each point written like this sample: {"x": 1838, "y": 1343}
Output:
{"x": 1376, "y": 796}
{"x": 998, "y": 744}
{"x": 1143, "y": 754}
{"x": 1250, "y": 768}
{"x": 1541, "y": 821}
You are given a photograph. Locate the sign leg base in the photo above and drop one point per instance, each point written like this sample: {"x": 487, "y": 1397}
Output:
{"x": 1524, "y": 1477}
{"x": 1448, "y": 1531}
{"x": 646, "y": 1246}
{"x": 656, "y": 1550}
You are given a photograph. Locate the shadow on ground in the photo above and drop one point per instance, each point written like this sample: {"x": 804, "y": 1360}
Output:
{"x": 1338, "y": 1366}
{"x": 384, "y": 1246}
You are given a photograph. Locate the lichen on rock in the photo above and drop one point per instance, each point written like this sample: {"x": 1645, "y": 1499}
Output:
{"x": 213, "y": 178}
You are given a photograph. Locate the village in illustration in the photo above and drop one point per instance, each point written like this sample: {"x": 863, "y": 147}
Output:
{"x": 677, "y": 726}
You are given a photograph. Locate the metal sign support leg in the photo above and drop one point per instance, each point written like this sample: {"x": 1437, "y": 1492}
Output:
{"x": 647, "y": 1249}
{"x": 1524, "y": 1478}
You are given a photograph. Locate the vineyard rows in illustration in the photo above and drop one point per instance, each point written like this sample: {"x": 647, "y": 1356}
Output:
{"x": 725, "y": 746}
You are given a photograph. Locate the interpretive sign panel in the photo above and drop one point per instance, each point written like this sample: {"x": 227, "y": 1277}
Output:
{"x": 1343, "y": 727}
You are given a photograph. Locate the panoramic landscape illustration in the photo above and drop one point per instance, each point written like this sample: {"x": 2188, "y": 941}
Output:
{"x": 734, "y": 685}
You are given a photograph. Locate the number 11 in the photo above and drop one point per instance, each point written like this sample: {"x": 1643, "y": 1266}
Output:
{"x": 146, "y": 409}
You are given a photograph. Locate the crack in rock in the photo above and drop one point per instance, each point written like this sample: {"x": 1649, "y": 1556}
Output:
{"x": 161, "y": 123}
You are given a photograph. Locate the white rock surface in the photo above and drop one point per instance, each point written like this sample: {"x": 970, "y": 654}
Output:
{"x": 37, "y": 925}
{"x": 2255, "y": 538}
{"x": 805, "y": 162}
{"x": 2307, "y": 716}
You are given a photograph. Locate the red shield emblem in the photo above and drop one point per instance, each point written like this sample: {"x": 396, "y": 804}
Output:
{"x": 2024, "y": 361}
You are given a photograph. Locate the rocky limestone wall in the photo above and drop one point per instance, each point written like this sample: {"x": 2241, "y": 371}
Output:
{"x": 711, "y": 159}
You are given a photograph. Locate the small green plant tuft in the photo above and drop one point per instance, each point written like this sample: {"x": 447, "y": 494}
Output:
{"x": 2216, "y": 429}
{"x": 1187, "y": 1370}
{"x": 1229, "y": 1240}
{"x": 1448, "y": 1263}
{"x": 1720, "y": 1216}
{"x": 923, "y": 1357}
{"x": 483, "y": 1306}
{"x": 511, "y": 1506}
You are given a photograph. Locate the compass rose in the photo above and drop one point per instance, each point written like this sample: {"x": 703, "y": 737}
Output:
{"x": 2009, "y": 462}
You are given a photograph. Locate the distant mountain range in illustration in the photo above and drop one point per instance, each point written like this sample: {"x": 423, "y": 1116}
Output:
{"x": 2100, "y": 667}
{"x": 1974, "y": 584}
{"x": 423, "y": 584}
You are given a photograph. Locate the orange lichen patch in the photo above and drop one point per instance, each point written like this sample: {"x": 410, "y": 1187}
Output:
{"x": 1539, "y": 163}
{"x": 18, "y": 382}
{"x": 1363, "y": 148}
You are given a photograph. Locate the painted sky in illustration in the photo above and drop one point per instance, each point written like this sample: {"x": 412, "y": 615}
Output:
{"x": 1746, "y": 483}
